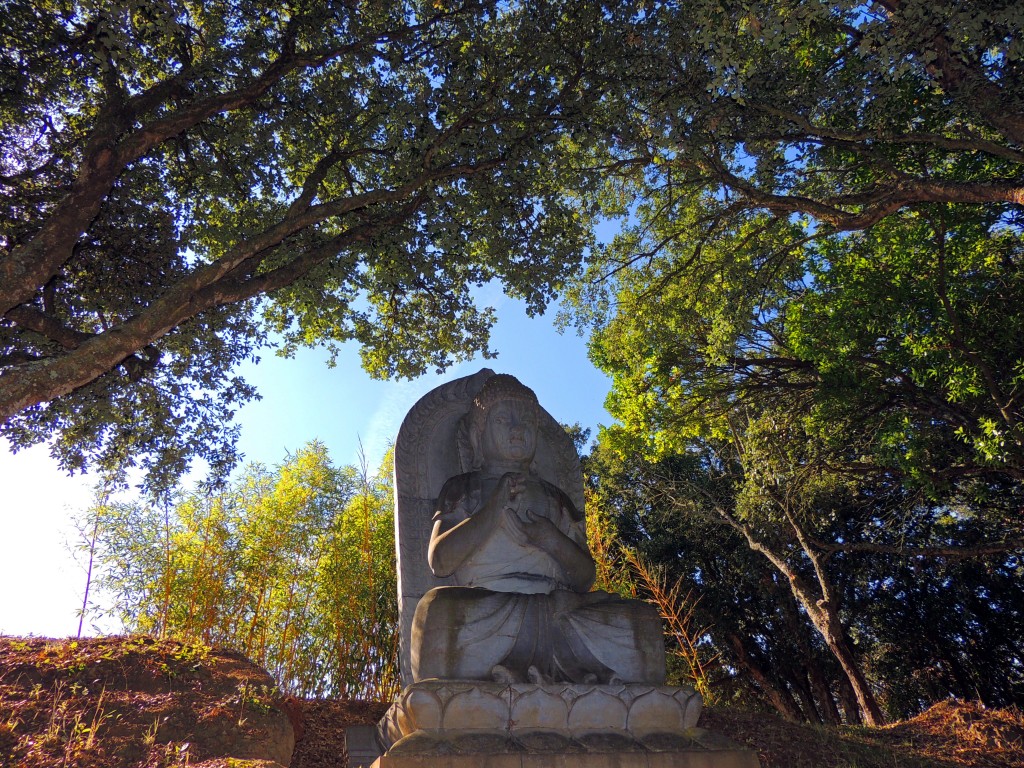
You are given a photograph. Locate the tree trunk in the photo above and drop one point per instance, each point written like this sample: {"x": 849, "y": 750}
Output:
{"x": 821, "y": 610}
{"x": 819, "y": 682}
{"x": 798, "y": 682}
{"x": 780, "y": 698}
{"x": 824, "y": 613}
{"x": 835, "y": 637}
{"x": 823, "y": 692}
{"x": 92, "y": 556}
{"x": 850, "y": 707}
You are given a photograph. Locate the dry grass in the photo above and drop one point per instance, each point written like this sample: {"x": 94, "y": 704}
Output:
{"x": 140, "y": 703}
{"x": 948, "y": 735}
{"x": 130, "y": 702}
{"x": 962, "y": 733}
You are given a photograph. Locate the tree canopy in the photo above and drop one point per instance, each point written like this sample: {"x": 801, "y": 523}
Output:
{"x": 918, "y": 629}
{"x": 812, "y": 312}
{"x": 820, "y": 197}
{"x": 179, "y": 179}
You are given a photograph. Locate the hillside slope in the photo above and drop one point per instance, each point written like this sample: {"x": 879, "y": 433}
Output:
{"x": 136, "y": 702}
{"x": 127, "y": 702}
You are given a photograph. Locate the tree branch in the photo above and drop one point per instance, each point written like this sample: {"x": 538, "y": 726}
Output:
{"x": 903, "y": 191}
{"x": 47, "y": 325}
{"x": 965, "y": 552}
{"x": 963, "y": 80}
{"x": 859, "y": 141}
{"x": 222, "y": 282}
{"x": 32, "y": 263}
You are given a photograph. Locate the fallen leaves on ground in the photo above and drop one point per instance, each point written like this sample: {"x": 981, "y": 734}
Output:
{"x": 951, "y": 734}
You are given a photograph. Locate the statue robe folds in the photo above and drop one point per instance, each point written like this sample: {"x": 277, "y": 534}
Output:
{"x": 513, "y": 611}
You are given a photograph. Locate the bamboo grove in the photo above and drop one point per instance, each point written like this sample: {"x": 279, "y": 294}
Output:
{"x": 294, "y": 567}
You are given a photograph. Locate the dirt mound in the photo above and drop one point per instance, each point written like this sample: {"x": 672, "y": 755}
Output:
{"x": 779, "y": 743}
{"x": 964, "y": 732}
{"x": 948, "y": 735}
{"x": 322, "y": 725}
{"x": 135, "y": 702}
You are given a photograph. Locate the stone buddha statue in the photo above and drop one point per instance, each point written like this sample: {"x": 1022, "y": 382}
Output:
{"x": 513, "y": 547}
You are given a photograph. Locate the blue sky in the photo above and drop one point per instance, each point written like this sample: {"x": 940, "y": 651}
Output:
{"x": 302, "y": 400}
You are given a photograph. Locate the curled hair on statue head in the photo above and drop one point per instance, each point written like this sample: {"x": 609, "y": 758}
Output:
{"x": 496, "y": 389}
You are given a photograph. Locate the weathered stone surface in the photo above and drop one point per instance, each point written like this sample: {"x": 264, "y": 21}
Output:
{"x": 361, "y": 745}
{"x": 546, "y": 740}
{"x": 432, "y": 446}
{"x": 507, "y": 548}
{"x": 734, "y": 758}
{"x": 506, "y": 657}
{"x": 597, "y": 709}
{"x": 450, "y": 761}
{"x": 607, "y": 740}
{"x": 539, "y": 707}
{"x": 436, "y": 706}
{"x": 630, "y": 724}
{"x": 670, "y": 742}
{"x": 476, "y": 708}
{"x": 656, "y": 711}
{"x": 738, "y": 758}
{"x": 424, "y": 710}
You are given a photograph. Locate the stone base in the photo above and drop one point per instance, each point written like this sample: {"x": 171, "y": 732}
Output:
{"x": 451, "y": 724}
{"x": 361, "y": 746}
{"x": 694, "y": 758}
{"x": 440, "y": 709}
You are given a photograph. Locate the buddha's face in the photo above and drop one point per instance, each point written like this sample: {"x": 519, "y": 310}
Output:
{"x": 510, "y": 435}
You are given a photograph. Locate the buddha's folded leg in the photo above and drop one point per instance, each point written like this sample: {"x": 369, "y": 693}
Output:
{"x": 604, "y": 635}
{"x": 468, "y": 633}
{"x": 463, "y": 633}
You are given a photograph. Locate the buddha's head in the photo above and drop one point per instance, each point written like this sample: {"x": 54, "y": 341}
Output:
{"x": 503, "y": 423}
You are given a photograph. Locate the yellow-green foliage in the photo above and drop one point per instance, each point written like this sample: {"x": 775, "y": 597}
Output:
{"x": 623, "y": 571}
{"x": 294, "y": 567}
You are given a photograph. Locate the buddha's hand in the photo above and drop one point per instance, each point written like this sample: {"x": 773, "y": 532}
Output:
{"x": 510, "y": 486}
{"x": 534, "y": 529}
